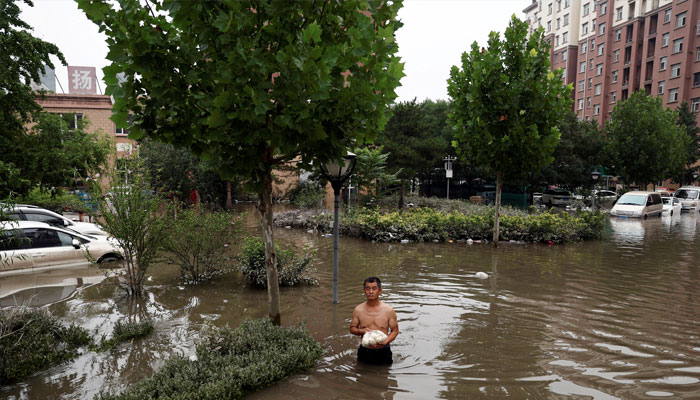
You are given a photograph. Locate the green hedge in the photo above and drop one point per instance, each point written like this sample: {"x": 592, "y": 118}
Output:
{"x": 231, "y": 363}
{"x": 426, "y": 224}
{"x": 32, "y": 339}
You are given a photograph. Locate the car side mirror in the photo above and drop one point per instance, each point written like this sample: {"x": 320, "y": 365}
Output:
{"x": 76, "y": 243}
{"x": 66, "y": 223}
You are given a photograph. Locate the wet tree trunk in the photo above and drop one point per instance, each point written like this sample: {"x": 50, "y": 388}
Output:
{"x": 265, "y": 209}
{"x": 497, "y": 213}
{"x": 229, "y": 201}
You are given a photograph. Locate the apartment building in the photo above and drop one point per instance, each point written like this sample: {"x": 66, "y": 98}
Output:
{"x": 622, "y": 46}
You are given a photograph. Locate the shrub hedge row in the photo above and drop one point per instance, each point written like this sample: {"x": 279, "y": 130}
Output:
{"x": 426, "y": 224}
{"x": 230, "y": 363}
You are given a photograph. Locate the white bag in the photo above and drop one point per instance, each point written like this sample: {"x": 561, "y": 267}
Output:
{"x": 373, "y": 338}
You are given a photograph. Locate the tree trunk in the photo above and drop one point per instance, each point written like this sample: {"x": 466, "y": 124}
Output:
{"x": 229, "y": 202}
{"x": 273, "y": 289}
{"x": 497, "y": 213}
{"x": 401, "y": 192}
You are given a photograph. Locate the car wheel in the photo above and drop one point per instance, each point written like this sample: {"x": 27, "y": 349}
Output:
{"x": 108, "y": 258}
{"x": 645, "y": 216}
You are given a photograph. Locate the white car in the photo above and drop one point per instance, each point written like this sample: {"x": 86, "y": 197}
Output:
{"x": 689, "y": 197}
{"x": 29, "y": 244}
{"x": 24, "y": 212}
{"x": 556, "y": 197}
{"x": 671, "y": 205}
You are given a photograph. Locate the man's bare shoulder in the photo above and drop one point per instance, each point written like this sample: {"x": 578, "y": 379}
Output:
{"x": 360, "y": 307}
{"x": 387, "y": 308}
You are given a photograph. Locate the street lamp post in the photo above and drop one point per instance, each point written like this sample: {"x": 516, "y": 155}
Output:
{"x": 695, "y": 177}
{"x": 448, "y": 172}
{"x": 337, "y": 174}
{"x": 594, "y": 175}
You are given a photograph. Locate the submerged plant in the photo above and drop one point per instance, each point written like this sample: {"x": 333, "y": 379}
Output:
{"x": 124, "y": 331}
{"x": 291, "y": 268}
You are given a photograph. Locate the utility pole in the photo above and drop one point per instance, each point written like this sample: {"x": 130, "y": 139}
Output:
{"x": 448, "y": 172}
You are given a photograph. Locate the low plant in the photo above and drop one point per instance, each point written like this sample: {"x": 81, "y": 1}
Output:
{"x": 307, "y": 194}
{"x": 124, "y": 331}
{"x": 230, "y": 363}
{"x": 32, "y": 339}
{"x": 57, "y": 201}
{"x": 197, "y": 243}
{"x": 291, "y": 268}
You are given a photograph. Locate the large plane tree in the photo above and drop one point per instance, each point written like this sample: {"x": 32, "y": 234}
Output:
{"x": 251, "y": 84}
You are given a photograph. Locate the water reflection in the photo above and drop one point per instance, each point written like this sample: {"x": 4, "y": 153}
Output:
{"x": 610, "y": 319}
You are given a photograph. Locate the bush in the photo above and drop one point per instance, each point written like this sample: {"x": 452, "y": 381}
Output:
{"x": 124, "y": 331}
{"x": 196, "y": 243}
{"x": 32, "y": 339}
{"x": 307, "y": 194}
{"x": 58, "y": 202}
{"x": 291, "y": 269}
{"x": 231, "y": 363}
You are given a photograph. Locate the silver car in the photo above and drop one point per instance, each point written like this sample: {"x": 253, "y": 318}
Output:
{"x": 25, "y": 212}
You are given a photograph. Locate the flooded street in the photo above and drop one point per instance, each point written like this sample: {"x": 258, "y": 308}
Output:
{"x": 612, "y": 319}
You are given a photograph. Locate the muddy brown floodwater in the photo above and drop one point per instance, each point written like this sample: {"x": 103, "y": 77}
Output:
{"x": 612, "y": 319}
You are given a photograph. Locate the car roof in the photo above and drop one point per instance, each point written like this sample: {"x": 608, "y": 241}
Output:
{"x": 640, "y": 192}
{"x": 9, "y": 225}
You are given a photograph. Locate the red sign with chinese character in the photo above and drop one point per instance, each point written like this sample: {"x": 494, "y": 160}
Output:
{"x": 81, "y": 80}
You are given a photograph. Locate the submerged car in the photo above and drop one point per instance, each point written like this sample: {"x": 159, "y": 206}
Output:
{"x": 671, "y": 205}
{"x": 29, "y": 244}
{"x": 689, "y": 197}
{"x": 25, "y": 212}
{"x": 637, "y": 204}
{"x": 556, "y": 197}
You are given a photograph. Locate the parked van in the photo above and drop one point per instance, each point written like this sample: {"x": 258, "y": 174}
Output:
{"x": 638, "y": 204}
{"x": 689, "y": 197}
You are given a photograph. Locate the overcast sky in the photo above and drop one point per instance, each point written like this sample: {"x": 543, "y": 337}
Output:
{"x": 434, "y": 35}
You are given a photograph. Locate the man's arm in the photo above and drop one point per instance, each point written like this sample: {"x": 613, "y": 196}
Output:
{"x": 393, "y": 328}
{"x": 355, "y": 324}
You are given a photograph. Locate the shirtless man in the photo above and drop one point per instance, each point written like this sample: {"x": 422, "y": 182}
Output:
{"x": 374, "y": 315}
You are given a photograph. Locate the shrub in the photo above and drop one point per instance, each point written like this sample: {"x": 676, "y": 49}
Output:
{"x": 57, "y": 202}
{"x": 291, "y": 269}
{"x": 231, "y": 363}
{"x": 32, "y": 339}
{"x": 196, "y": 243}
{"x": 124, "y": 331}
{"x": 307, "y": 194}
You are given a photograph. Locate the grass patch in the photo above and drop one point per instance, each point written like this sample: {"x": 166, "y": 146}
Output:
{"x": 124, "y": 331}
{"x": 230, "y": 363}
{"x": 32, "y": 339}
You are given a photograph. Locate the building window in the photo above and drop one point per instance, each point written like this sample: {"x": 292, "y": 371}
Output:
{"x": 584, "y": 28}
{"x": 697, "y": 54}
{"x": 558, "y": 5}
{"x": 616, "y": 55}
{"x": 667, "y": 16}
{"x": 673, "y": 95}
{"x": 678, "y": 45}
{"x": 590, "y": 64}
{"x": 583, "y": 66}
{"x": 664, "y": 39}
{"x": 71, "y": 119}
{"x": 584, "y": 47}
{"x": 601, "y": 28}
{"x": 556, "y": 40}
{"x": 662, "y": 85}
{"x": 613, "y": 97}
{"x": 696, "y": 79}
{"x": 598, "y": 89}
{"x": 614, "y": 76}
{"x": 675, "y": 70}
{"x": 662, "y": 63}
{"x": 618, "y": 35}
{"x": 549, "y": 26}
{"x": 601, "y": 49}
{"x": 592, "y": 44}
{"x": 596, "y": 109}
{"x": 590, "y": 83}
{"x": 599, "y": 69}
{"x": 581, "y": 85}
{"x": 563, "y": 55}
{"x": 588, "y": 102}
{"x": 567, "y": 3}
{"x": 549, "y": 9}
{"x": 695, "y": 104}
{"x": 558, "y": 23}
{"x": 566, "y": 20}
{"x": 580, "y": 104}
{"x": 565, "y": 37}
{"x": 618, "y": 13}
{"x": 586, "y": 9}
{"x": 680, "y": 19}
{"x": 603, "y": 8}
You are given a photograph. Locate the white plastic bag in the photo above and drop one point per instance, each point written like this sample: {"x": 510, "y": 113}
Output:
{"x": 373, "y": 338}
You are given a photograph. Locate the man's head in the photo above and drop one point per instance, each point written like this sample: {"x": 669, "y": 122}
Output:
{"x": 372, "y": 287}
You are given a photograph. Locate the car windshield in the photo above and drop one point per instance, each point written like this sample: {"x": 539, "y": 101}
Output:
{"x": 687, "y": 194}
{"x": 633, "y": 200}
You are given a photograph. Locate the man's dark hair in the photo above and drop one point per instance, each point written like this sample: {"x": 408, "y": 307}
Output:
{"x": 372, "y": 279}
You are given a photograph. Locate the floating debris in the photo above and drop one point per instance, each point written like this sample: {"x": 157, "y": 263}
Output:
{"x": 481, "y": 275}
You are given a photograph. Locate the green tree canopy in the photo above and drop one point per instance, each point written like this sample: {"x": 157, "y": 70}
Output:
{"x": 644, "y": 141}
{"x": 252, "y": 84}
{"x": 23, "y": 58}
{"x": 507, "y": 105}
{"x": 687, "y": 119}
